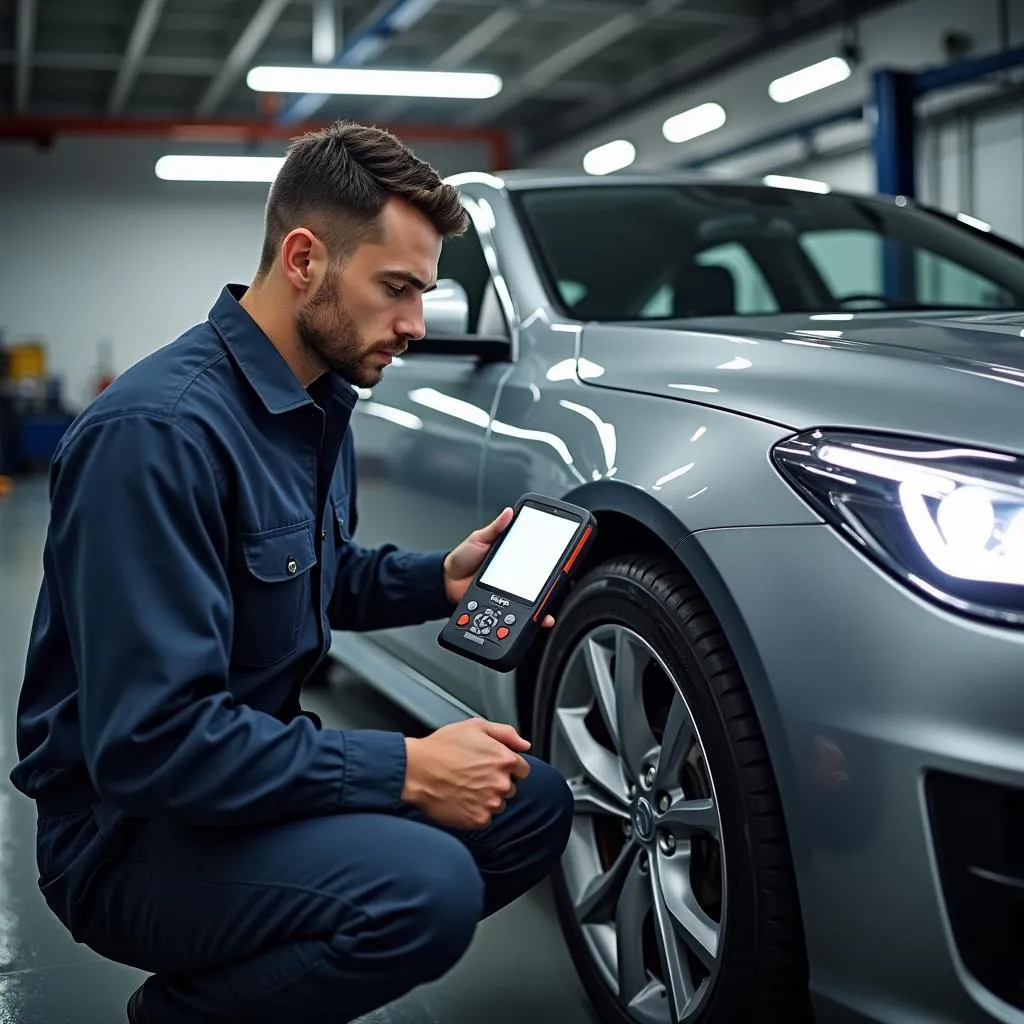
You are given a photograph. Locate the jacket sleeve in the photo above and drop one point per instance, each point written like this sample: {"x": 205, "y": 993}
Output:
{"x": 139, "y": 544}
{"x": 385, "y": 587}
{"x": 381, "y": 588}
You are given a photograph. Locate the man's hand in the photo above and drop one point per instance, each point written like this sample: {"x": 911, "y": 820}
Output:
{"x": 461, "y": 563}
{"x": 461, "y": 775}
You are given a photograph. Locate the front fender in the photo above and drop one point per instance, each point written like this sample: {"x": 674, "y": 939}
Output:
{"x": 640, "y": 521}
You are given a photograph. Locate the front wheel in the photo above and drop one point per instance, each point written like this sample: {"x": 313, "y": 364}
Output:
{"x": 676, "y": 891}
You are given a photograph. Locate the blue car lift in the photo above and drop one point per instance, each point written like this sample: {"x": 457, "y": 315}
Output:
{"x": 895, "y": 93}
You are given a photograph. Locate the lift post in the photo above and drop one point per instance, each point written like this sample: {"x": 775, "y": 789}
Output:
{"x": 894, "y": 146}
{"x": 895, "y": 143}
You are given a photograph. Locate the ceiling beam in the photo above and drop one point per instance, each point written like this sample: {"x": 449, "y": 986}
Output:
{"x": 690, "y": 67}
{"x": 43, "y": 130}
{"x": 325, "y": 31}
{"x": 562, "y": 61}
{"x": 138, "y": 42}
{"x": 26, "y": 31}
{"x": 199, "y": 67}
{"x": 252, "y": 37}
{"x": 613, "y": 8}
{"x": 368, "y": 40}
{"x": 464, "y": 49}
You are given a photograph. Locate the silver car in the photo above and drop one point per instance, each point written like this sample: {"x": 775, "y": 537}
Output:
{"x": 788, "y": 688}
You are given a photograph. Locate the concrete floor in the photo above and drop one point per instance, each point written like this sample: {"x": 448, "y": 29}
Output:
{"x": 516, "y": 970}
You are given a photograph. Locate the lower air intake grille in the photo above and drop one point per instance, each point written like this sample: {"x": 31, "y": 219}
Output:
{"x": 978, "y": 828}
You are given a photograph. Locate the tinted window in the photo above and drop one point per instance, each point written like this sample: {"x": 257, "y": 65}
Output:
{"x": 462, "y": 259}
{"x": 625, "y": 251}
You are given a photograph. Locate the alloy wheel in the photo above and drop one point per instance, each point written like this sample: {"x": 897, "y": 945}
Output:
{"x": 644, "y": 867}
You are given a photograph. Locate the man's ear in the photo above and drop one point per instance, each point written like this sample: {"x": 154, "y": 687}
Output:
{"x": 303, "y": 259}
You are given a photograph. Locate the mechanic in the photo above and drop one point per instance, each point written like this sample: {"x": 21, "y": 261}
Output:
{"x": 193, "y": 821}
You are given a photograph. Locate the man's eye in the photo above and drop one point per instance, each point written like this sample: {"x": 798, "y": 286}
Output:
{"x": 395, "y": 290}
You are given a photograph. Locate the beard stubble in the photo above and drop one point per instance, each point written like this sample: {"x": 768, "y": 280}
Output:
{"x": 329, "y": 332}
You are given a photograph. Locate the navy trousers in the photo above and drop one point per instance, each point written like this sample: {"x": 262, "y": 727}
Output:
{"x": 318, "y": 920}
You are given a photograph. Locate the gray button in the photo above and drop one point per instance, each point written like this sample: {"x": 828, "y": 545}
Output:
{"x": 509, "y": 619}
{"x": 293, "y": 566}
{"x": 472, "y": 606}
{"x": 323, "y": 535}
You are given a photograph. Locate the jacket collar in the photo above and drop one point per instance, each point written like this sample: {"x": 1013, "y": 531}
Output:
{"x": 264, "y": 367}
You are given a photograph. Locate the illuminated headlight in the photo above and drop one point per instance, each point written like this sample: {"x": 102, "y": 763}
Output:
{"x": 948, "y": 521}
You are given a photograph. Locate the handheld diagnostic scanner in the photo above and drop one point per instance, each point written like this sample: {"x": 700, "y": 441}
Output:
{"x": 520, "y": 582}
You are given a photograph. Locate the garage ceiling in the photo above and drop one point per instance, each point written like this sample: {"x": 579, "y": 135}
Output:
{"x": 566, "y": 64}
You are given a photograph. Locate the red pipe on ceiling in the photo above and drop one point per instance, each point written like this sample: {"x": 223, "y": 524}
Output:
{"x": 43, "y": 130}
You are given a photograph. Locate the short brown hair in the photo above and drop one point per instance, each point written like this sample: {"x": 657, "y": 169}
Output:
{"x": 336, "y": 182}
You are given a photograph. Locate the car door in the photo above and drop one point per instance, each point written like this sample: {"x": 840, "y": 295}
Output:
{"x": 419, "y": 438}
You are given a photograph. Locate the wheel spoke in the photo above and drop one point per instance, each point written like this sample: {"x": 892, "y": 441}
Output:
{"x": 599, "y": 900}
{"x": 678, "y": 979}
{"x": 589, "y": 799}
{"x": 690, "y": 921}
{"x": 685, "y": 817}
{"x": 659, "y": 798}
{"x": 634, "y": 903}
{"x": 597, "y": 660}
{"x": 636, "y": 741}
{"x": 597, "y": 762}
{"x": 678, "y": 739}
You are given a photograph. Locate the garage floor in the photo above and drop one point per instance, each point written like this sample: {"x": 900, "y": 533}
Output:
{"x": 516, "y": 970}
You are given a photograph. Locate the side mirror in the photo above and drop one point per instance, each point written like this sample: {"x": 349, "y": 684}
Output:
{"x": 446, "y": 323}
{"x": 446, "y": 310}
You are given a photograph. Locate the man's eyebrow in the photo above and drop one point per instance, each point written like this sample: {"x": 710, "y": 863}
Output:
{"x": 411, "y": 279}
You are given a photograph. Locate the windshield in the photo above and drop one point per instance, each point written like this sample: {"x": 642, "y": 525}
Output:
{"x": 652, "y": 251}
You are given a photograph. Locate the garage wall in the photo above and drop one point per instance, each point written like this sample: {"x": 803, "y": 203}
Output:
{"x": 974, "y": 164}
{"x": 98, "y": 251}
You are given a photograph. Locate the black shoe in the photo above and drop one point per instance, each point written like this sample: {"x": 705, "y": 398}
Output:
{"x": 136, "y": 1011}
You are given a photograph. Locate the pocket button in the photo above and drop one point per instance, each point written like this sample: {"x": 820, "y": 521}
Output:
{"x": 292, "y": 565}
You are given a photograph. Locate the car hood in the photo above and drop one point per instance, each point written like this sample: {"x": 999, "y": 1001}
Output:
{"x": 952, "y": 376}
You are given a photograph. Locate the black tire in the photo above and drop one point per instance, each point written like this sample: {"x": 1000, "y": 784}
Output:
{"x": 762, "y": 977}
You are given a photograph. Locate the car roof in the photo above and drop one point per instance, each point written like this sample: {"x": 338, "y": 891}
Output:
{"x": 523, "y": 180}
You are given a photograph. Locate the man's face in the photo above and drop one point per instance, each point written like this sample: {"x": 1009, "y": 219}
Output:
{"x": 367, "y": 313}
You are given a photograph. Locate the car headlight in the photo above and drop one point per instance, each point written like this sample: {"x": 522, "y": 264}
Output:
{"x": 948, "y": 521}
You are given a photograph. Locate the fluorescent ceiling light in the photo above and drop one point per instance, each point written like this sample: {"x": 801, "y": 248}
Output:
{"x": 981, "y": 225}
{"x": 691, "y": 123}
{"x": 799, "y": 184}
{"x": 218, "y": 168}
{"x": 460, "y": 85}
{"x": 807, "y": 80}
{"x": 612, "y": 156}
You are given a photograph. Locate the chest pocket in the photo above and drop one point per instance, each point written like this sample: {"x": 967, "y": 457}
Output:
{"x": 272, "y": 593}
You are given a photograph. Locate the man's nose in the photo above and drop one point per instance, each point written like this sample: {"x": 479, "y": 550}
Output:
{"x": 411, "y": 325}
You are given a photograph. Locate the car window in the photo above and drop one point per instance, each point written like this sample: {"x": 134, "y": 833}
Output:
{"x": 641, "y": 250}
{"x": 943, "y": 280}
{"x": 850, "y": 261}
{"x": 751, "y": 293}
{"x": 462, "y": 259}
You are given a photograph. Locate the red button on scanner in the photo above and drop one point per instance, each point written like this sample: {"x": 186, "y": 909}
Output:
{"x": 463, "y": 620}
{"x": 501, "y": 632}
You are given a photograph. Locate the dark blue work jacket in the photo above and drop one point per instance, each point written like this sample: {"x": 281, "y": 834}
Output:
{"x": 199, "y": 554}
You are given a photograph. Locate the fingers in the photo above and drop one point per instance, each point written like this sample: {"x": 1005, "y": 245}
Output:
{"x": 520, "y": 769}
{"x": 490, "y": 533}
{"x": 548, "y": 621}
{"x": 507, "y": 735}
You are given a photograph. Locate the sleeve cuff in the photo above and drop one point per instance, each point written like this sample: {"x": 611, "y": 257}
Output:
{"x": 374, "y": 776}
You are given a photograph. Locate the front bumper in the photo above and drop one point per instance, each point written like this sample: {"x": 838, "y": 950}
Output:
{"x": 897, "y": 733}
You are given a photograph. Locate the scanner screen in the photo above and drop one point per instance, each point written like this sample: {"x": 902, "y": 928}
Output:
{"x": 527, "y": 553}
